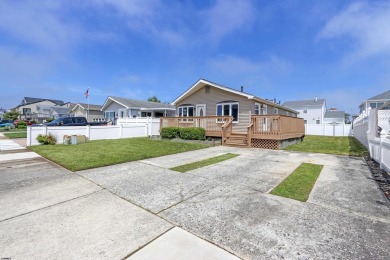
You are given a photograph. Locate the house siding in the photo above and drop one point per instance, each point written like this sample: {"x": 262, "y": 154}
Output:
{"x": 93, "y": 114}
{"x": 215, "y": 96}
{"x": 113, "y": 107}
{"x": 33, "y": 106}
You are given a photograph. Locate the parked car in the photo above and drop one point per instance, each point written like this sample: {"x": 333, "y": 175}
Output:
{"x": 71, "y": 121}
{"x": 5, "y": 122}
{"x": 17, "y": 121}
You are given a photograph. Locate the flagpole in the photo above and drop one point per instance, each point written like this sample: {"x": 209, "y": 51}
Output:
{"x": 88, "y": 107}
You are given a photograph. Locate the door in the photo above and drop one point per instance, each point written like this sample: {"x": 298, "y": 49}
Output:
{"x": 201, "y": 111}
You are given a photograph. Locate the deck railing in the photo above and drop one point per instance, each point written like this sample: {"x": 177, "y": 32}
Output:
{"x": 277, "y": 127}
{"x": 273, "y": 127}
{"x": 212, "y": 124}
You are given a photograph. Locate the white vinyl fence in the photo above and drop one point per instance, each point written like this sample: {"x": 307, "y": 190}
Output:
{"x": 328, "y": 129}
{"x": 372, "y": 129}
{"x": 153, "y": 124}
{"x": 91, "y": 132}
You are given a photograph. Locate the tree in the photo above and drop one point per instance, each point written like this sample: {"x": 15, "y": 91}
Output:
{"x": 11, "y": 115}
{"x": 154, "y": 99}
{"x": 347, "y": 118}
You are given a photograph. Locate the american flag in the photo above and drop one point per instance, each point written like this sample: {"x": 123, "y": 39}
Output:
{"x": 86, "y": 93}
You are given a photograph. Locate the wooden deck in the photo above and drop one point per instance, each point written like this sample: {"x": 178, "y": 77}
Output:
{"x": 267, "y": 129}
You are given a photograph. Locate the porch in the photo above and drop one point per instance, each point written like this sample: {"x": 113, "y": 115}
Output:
{"x": 264, "y": 131}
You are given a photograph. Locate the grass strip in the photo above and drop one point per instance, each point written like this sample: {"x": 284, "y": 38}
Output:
{"x": 16, "y": 135}
{"x": 6, "y": 129}
{"x": 338, "y": 145}
{"x": 108, "y": 152}
{"x": 203, "y": 163}
{"x": 299, "y": 184}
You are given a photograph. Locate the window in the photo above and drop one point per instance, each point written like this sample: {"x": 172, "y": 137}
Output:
{"x": 276, "y": 111}
{"x": 109, "y": 115}
{"x": 318, "y": 122}
{"x": 257, "y": 109}
{"x": 305, "y": 122}
{"x": 305, "y": 111}
{"x": 26, "y": 111}
{"x": 146, "y": 114}
{"x": 186, "y": 111}
{"x": 228, "y": 109}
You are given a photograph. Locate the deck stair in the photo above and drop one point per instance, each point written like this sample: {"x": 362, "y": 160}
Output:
{"x": 237, "y": 139}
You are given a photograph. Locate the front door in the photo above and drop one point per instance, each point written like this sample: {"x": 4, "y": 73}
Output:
{"x": 201, "y": 111}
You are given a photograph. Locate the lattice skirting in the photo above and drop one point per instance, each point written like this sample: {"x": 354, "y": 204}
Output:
{"x": 265, "y": 144}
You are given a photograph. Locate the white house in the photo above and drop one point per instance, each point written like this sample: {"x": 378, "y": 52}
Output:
{"x": 334, "y": 117}
{"x": 312, "y": 111}
{"x": 117, "y": 107}
{"x": 375, "y": 101}
{"x": 91, "y": 112}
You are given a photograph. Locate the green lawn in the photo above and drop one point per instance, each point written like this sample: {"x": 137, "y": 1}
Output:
{"x": 107, "y": 152}
{"x": 298, "y": 185}
{"x": 16, "y": 135}
{"x": 343, "y": 145}
{"x": 6, "y": 129}
{"x": 203, "y": 163}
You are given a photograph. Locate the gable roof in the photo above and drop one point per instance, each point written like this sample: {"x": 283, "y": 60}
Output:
{"x": 60, "y": 110}
{"x": 384, "y": 95}
{"x": 203, "y": 82}
{"x": 305, "y": 103}
{"x": 29, "y": 100}
{"x": 334, "y": 114}
{"x": 85, "y": 106}
{"x": 134, "y": 103}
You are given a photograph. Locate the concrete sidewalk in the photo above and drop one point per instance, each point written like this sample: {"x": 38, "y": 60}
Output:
{"x": 53, "y": 213}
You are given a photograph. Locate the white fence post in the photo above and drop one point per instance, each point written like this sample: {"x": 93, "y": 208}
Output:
{"x": 44, "y": 130}
{"x": 88, "y": 132}
{"x": 28, "y": 135}
{"x": 120, "y": 131}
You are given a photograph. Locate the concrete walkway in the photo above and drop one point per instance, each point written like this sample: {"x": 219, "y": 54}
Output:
{"x": 143, "y": 210}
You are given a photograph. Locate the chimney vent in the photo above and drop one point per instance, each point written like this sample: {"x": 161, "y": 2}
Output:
{"x": 242, "y": 88}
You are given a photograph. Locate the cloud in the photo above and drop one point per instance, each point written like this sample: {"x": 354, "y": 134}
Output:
{"x": 227, "y": 16}
{"x": 235, "y": 65}
{"x": 366, "y": 25}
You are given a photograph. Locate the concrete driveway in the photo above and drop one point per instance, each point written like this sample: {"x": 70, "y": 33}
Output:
{"x": 143, "y": 210}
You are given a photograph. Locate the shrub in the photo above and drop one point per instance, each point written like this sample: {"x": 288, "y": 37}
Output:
{"x": 48, "y": 120}
{"x": 47, "y": 139}
{"x": 193, "y": 133}
{"x": 21, "y": 124}
{"x": 170, "y": 132}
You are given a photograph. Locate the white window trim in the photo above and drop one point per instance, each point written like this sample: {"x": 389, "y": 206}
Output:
{"x": 230, "y": 109}
{"x": 181, "y": 107}
{"x": 109, "y": 112}
{"x": 259, "y": 110}
{"x": 264, "y": 111}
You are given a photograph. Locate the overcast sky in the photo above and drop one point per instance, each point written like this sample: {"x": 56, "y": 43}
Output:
{"x": 288, "y": 50}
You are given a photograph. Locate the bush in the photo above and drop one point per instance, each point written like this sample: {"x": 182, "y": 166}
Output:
{"x": 48, "y": 120}
{"x": 170, "y": 132}
{"x": 21, "y": 124}
{"x": 193, "y": 133}
{"x": 47, "y": 139}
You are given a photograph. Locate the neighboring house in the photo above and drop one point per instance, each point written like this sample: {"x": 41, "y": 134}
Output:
{"x": 117, "y": 107}
{"x": 206, "y": 98}
{"x": 375, "y": 101}
{"x": 56, "y": 112}
{"x": 91, "y": 112}
{"x": 334, "y": 117}
{"x": 2, "y": 112}
{"x": 312, "y": 111}
{"x": 36, "y": 108}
